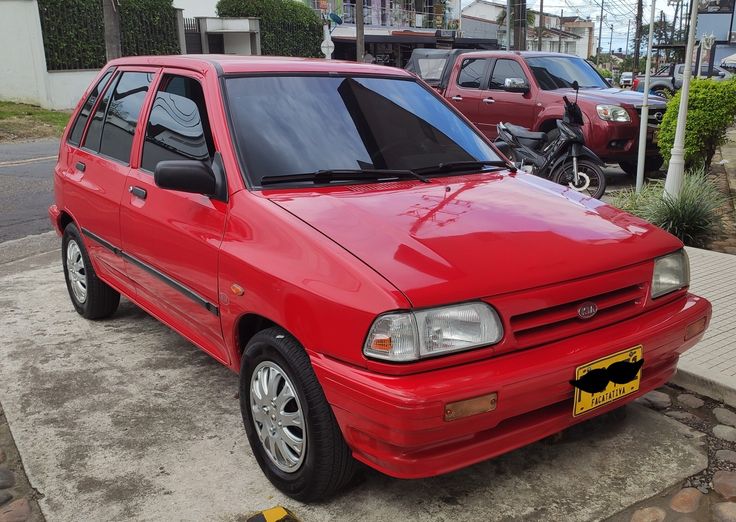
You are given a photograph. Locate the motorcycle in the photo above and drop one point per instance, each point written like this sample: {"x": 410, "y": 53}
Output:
{"x": 559, "y": 155}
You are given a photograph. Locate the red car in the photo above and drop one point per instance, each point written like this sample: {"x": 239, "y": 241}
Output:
{"x": 389, "y": 290}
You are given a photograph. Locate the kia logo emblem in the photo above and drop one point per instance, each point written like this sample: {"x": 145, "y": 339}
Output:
{"x": 658, "y": 116}
{"x": 587, "y": 310}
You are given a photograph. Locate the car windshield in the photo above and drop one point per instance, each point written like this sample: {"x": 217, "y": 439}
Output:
{"x": 289, "y": 125}
{"x": 558, "y": 72}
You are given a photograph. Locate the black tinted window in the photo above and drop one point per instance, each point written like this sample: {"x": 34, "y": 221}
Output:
{"x": 122, "y": 115}
{"x": 76, "y": 134}
{"x": 471, "y": 73}
{"x": 505, "y": 69}
{"x": 177, "y": 127}
{"x": 301, "y": 124}
{"x": 94, "y": 132}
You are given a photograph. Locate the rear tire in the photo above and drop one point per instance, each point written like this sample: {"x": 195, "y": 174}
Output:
{"x": 308, "y": 460}
{"x": 92, "y": 298}
{"x": 594, "y": 186}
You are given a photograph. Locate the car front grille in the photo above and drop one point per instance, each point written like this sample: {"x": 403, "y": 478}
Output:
{"x": 655, "y": 115}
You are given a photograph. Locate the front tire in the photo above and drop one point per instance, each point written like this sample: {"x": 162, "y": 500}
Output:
{"x": 290, "y": 426}
{"x": 91, "y": 297}
{"x": 592, "y": 180}
{"x": 651, "y": 164}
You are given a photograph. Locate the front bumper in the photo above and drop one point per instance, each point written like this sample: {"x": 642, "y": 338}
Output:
{"x": 396, "y": 423}
{"x": 618, "y": 141}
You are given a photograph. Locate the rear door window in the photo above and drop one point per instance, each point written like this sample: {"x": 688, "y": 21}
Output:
{"x": 122, "y": 114}
{"x": 472, "y": 72}
{"x": 506, "y": 69}
{"x": 178, "y": 128}
{"x": 94, "y": 132}
{"x": 75, "y": 135}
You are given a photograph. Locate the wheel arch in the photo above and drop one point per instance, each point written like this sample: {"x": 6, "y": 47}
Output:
{"x": 246, "y": 327}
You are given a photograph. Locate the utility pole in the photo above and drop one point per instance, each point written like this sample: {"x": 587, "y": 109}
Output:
{"x": 111, "y": 19}
{"x": 559, "y": 41}
{"x": 359, "y": 32}
{"x": 644, "y": 118}
{"x": 541, "y": 25}
{"x": 610, "y": 51}
{"x": 600, "y": 33}
{"x": 637, "y": 35}
{"x": 628, "y": 32}
{"x": 509, "y": 10}
{"x": 520, "y": 25}
{"x": 676, "y": 170}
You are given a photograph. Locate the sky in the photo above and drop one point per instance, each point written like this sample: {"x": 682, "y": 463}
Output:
{"x": 616, "y": 12}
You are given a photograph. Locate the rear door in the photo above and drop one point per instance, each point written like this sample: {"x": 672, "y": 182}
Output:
{"x": 498, "y": 105}
{"x": 466, "y": 91}
{"x": 172, "y": 239}
{"x": 100, "y": 165}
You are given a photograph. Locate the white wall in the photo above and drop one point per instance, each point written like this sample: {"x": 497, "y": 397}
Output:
{"x": 237, "y": 43}
{"x": 194, "y": 8}
{"x": 22, "y": 61}
{"x": 65, "y": 88}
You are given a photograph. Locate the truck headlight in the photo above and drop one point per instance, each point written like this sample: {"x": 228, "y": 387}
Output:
{"x": 409, "y": 336}
{"x": 671, "y": 272}
{"x": 612, "y": 113}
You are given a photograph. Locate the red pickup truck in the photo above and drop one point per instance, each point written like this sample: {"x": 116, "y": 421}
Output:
{"x": 477, "y": 84}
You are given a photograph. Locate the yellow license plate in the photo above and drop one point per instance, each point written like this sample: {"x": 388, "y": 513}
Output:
{"x": 586, "y": 402}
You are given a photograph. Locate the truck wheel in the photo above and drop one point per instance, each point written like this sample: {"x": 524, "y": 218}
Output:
{"x": 592, "y": 182}
{"x": 290, "y": 426}
{"x": 651, "y": 164}
{"x": 91, "y": 297}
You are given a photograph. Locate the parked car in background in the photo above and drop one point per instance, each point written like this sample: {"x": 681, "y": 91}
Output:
{"x": 389, "y": 288}
{"x": 626, "y": 79}
{"x": 668, "y": 79}
{"x": 476, "y": 84}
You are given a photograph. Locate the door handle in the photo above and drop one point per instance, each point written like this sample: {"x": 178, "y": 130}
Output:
{"x": 80, "y": 166}
{"x": 488, "y": 100}
{"x": 457, "y": 98}
{"x": 138, "y": 192}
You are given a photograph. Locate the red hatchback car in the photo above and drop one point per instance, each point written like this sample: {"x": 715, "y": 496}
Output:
{"x": 389, "y": 288}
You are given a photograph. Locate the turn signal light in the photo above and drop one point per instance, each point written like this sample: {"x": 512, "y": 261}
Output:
{"x": 468, "y": 407}
{"x": 381, "y": 343}
{"x": 695, "y": 328}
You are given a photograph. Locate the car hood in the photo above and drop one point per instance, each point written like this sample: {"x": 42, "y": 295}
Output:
{"x": 612, "y": 96}
{"x": 471, "y": 236}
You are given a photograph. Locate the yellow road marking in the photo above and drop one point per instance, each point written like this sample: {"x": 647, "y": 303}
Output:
{"x": 275, "y": 514}
{"x": 15, "y": 163}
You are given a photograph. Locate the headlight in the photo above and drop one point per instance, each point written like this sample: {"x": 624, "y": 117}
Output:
{"x": 671, "y": 272}
{"x": 408, "y": 336}
{"x": 612, "y": 113}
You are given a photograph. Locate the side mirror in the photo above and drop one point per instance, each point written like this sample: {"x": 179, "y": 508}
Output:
{"x": 575, "y": 85}
{"x": 721, "y": 74}
{"x": 515, "y": 85}
{"x": 186, "y": 176}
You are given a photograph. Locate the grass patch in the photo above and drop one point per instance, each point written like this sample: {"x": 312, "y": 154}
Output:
{"x": 695, "y": 216}
{"x": 20, "y": 121}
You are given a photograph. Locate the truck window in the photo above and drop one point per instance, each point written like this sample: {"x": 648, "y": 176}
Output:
{"x": 471, "y": 73}
{"x": 506, "y": 69}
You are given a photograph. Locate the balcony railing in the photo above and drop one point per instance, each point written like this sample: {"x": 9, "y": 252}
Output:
{"x": 393, "y": 17}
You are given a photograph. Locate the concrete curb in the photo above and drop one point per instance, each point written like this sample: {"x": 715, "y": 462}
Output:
{"x": 706, "y": 382}
{"x": 28, "y": 246}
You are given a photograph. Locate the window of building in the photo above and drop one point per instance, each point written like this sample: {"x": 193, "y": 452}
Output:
{"x": 178, "y": 128}
{"x": 75, "y": 135}
{"x": 505, "y": 69}
{"x": 122, "y": 114}
{"x": 471, "y": 73}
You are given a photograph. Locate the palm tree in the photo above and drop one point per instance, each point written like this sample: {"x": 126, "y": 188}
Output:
{"x": 501, "y": 18}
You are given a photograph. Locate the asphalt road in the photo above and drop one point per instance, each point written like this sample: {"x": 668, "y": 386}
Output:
{"x": 26, "y": 187}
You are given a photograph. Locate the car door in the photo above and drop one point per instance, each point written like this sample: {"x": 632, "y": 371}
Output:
{"x": 98, "y": 170}
{"x": 498, "y": 105}
{"x": 466, "y": 91}
{"x": 172, "y": 239}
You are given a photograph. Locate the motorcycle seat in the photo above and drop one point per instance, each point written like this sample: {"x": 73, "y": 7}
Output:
{"x": 523, "y": 132}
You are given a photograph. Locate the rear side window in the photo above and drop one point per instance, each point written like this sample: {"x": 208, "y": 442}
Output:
{"x": 505, "y": 69}
{"x": 122, "y": 114}
{"x": 471, "y": 73}
{"x": 178, "y": 128}
{"x": 94, "y": 132}
{"x": 76, "y": 134}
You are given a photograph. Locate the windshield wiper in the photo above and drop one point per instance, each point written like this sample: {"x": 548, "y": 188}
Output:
{"x": 330, "y": 175}
{"x": 451, "y": 166}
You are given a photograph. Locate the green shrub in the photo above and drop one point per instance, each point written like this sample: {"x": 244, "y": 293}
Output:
{"x": 288, "y": 28}
{"x": 148, "y": 27}
{"x": 604, "y": 72}
{"x": 694, "y": 217}
{"x": 711, "y": 111}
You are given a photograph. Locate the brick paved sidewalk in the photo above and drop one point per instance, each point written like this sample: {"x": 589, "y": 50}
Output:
{"x": 710, "y": 367}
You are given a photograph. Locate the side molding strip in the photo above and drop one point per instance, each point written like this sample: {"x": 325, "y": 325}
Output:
{"x": 191, "y": 294}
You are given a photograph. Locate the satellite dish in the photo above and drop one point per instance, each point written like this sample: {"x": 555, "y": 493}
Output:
{"x": 336, "y": 19}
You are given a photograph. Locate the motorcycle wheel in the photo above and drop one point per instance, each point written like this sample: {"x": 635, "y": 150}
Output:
{"x": 592, "y": 181}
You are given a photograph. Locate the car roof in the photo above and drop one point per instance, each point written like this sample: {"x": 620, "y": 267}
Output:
{"x": 525, "y": 54}
{"x": 235, "y": 64}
